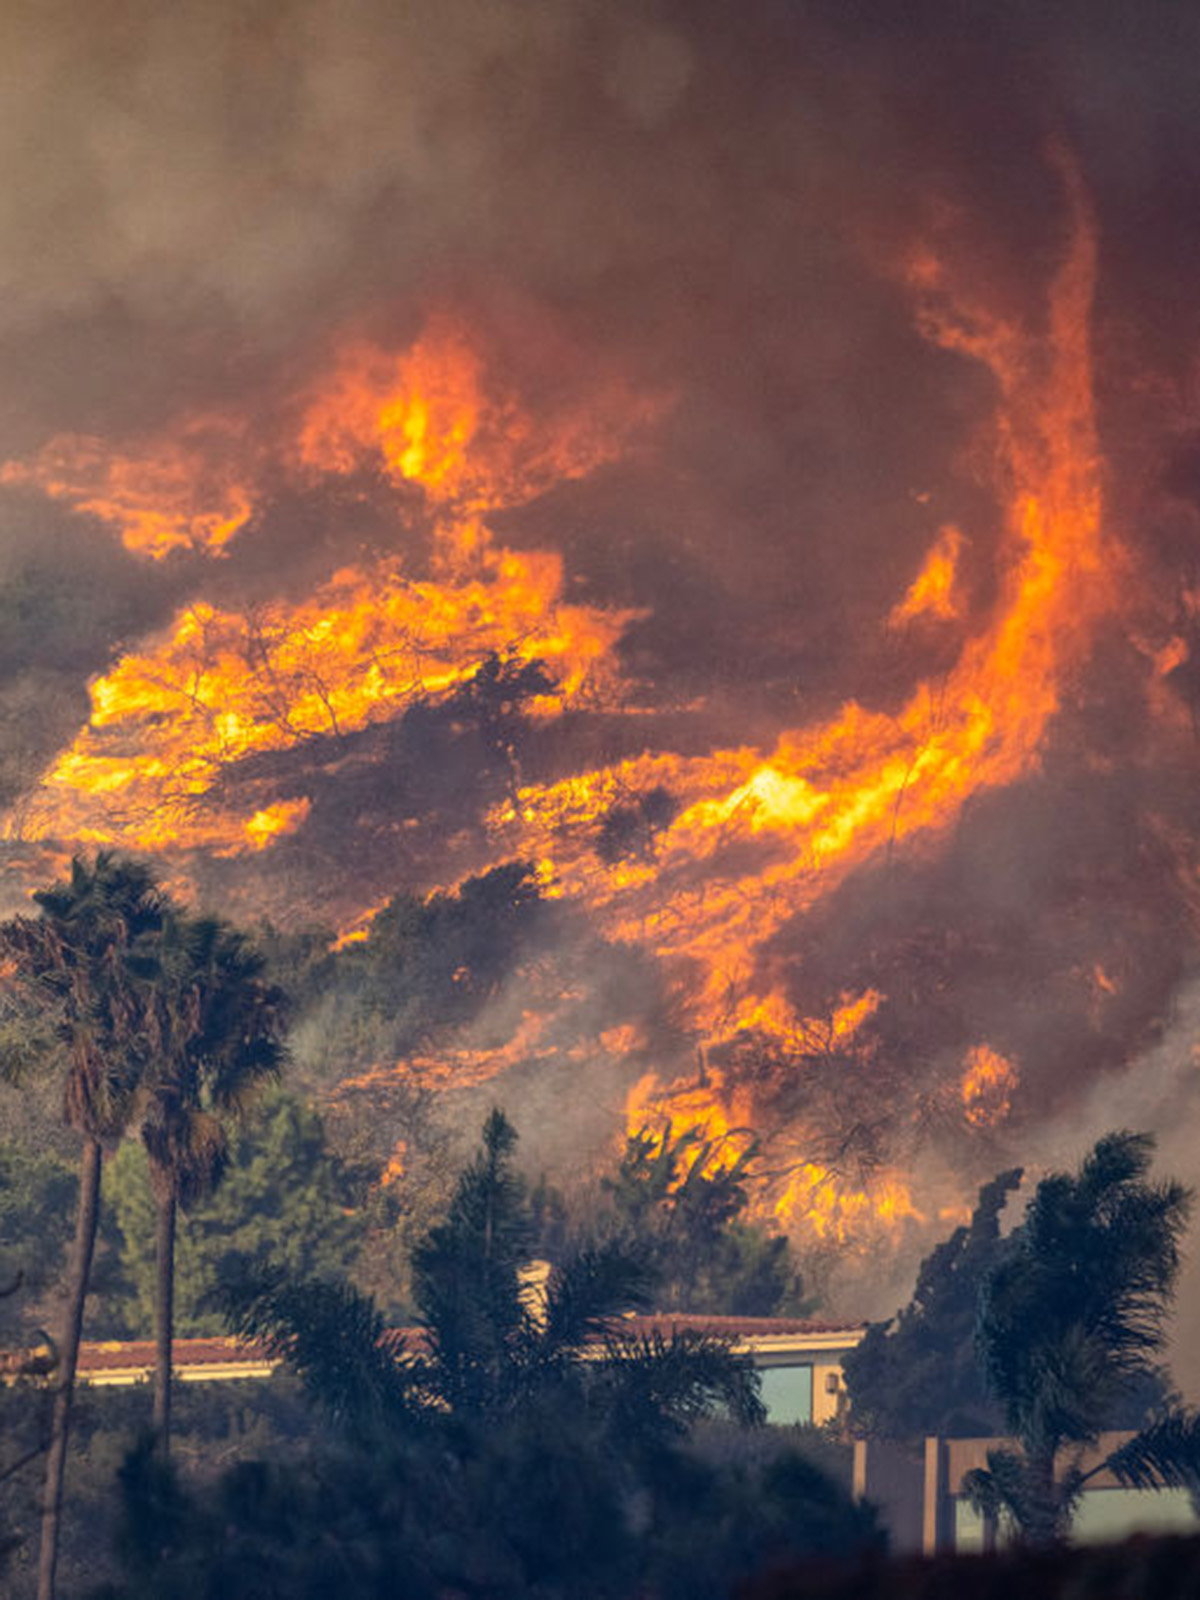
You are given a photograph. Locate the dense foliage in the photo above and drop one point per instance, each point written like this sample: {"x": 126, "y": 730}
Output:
{"x": 527, "y": 1444}
{"x": 284, "y": 1200}
{"x": 38, "y": 1192}
{"x": 1072, "y": 1321}
{"x": 526, "y": 1441}
{"x": 918, "y": 1373}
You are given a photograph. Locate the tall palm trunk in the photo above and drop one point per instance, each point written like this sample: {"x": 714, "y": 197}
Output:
{"x": 86, "y": 1219}
{"x": 164, "y": 1320}
{"x": 1045, "y": 1516}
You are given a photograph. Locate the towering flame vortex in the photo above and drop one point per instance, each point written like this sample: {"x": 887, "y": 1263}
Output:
{"x": 828, "y": 798}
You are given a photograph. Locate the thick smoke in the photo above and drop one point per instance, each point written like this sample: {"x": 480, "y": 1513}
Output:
{"x": 716, "y": 207}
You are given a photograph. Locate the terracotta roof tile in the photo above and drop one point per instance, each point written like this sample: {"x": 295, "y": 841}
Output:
{"x": 117, "y": 1356}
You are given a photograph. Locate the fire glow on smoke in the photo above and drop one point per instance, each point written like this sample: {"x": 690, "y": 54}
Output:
{"x": 753, "y": 836}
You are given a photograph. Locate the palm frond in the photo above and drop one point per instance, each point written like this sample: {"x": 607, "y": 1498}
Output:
{"x": 999, "y": 1487}
{"x": 333, "y": 1338}
{"x": 1164, "y": 1455}
{"x": 662, "y": 1385}
{"x": 589, "y": 1292}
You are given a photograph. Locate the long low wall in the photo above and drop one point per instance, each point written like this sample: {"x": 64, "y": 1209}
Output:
{"x": 920, "y": 1493}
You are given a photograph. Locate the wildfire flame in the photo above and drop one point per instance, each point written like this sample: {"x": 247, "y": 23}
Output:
{"x": 219, "y": 686}
{"x": 932, "y": 590}
{"x": 754, "y": 836}
{"x": 183, "y": 488}
{"x": 828, "y": 798}
{"x": 820, "y": 1202}
{"x": 987, "y": 1086}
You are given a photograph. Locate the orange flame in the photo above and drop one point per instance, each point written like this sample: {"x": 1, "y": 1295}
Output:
{"x": 804, "y": 1197}
{"x": 987, "y": 1086}
{"x": 179, "y": 489}
{"x": 220, "y": 685}
{"x": 755, "y": 836}
{"x": 427, "y": 417}
{"x": 396, "y": 1166}
{"x": 827, "y": 799}
{"x": 268, "y": 824}
{"x": 718, "y": 1112}
{"x": 931, "y": 592}
{"x": 817, "y": 1200}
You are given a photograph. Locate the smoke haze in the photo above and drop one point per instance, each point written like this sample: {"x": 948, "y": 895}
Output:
{"x": 751, "y": 312}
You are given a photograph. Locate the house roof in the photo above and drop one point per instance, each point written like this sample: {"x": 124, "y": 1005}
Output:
{"x": 128, "y": 1360}
{"x": 740, "y": 1328}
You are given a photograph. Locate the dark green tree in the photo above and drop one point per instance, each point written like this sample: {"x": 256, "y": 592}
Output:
{"x": 918, "y": 1373}
{"x": 218, "y": 1026}
{"x": 491, "y": 1338}
{"x": 284, "y": 1199}
{"x": 535, "y": 1408}
{"x": 81, "y": 969}
{"x": 467, "y": 1277}
{"x": 1073, "y": 1321}
{"x": 523, "y": 1444}
{"x": 38, "y": 1196}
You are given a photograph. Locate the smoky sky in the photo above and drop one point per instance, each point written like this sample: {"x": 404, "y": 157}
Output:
{"x": 715, "y": 204}
{"x": 713, "y": 199}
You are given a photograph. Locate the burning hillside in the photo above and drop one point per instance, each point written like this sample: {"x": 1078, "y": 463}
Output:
{"x": 781, "y": 571}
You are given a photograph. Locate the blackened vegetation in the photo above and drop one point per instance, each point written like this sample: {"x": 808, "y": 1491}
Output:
{"x": 630, "y": 828}
{"x": 401, "y": 800}
{"x": 430, "y": 964}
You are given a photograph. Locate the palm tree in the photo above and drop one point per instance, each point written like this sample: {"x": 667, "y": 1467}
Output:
{"x": 523, "y": 1437}
{"x": 490, "y": 1348}
{"x": 81, "y": 968}
{"x": 1070, "y": 1325}
{"x": 218, "y": 1034}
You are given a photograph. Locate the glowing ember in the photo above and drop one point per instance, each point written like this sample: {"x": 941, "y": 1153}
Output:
{"x": 359, "y": 930}
{"x": 282, "y": 817}
{"x": 396, "y": 1167}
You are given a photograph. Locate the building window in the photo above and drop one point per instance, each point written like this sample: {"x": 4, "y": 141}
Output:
{"x": 787, "y": 1393}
